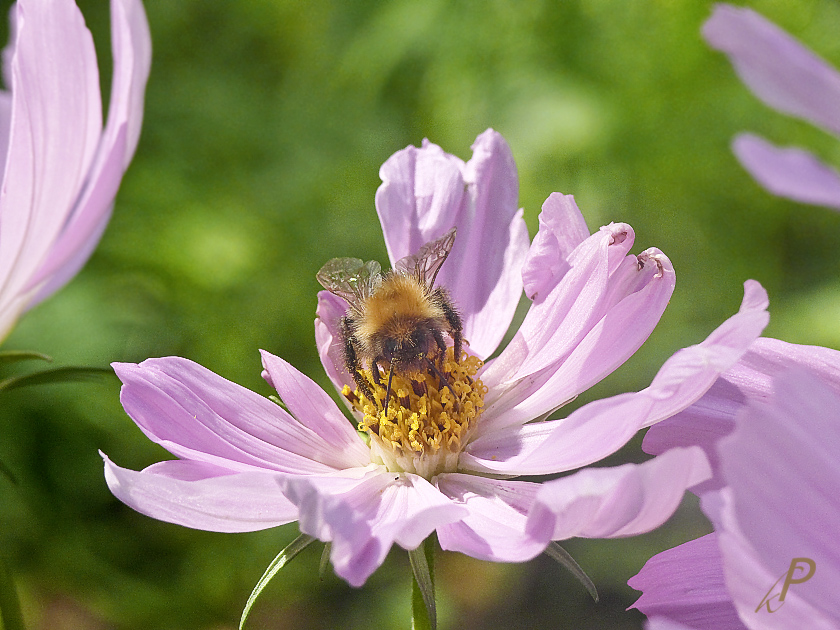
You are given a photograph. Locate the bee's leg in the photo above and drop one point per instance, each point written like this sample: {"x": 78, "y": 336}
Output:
{"x": 453, "y": 318}
{"x": 374, "y": 370}
{"x": 388, "y": 389}
{"x": 441, "y": 344}
{"x": 351, "y": 360}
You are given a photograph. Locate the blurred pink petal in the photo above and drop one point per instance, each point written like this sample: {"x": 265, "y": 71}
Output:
{"x": 783, "y": 485}
{"x": 686, "y": 585}
{"x": 792, "y": 173}
{"x": 663, "y": 623}
{"x": 792, "y": 79}
{"x": 713, "y": 416}
{"x": 62, "y": 170}
{"x": 776, "y": 67}
{"x": 688, "y": 374}
{"x": 779, "y": 503}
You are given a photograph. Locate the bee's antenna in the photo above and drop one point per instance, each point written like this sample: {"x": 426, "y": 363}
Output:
{"x": 388, "y": 389}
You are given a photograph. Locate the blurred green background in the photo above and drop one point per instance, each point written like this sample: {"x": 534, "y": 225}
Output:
{"x": 266, "y": 122}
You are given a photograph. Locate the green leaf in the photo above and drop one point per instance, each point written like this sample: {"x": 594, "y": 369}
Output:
{"x": 9, "y": 604}
{"x": 283, "y": 558}
{"x": 13, "y": 356}
{"x": 423, "y": 608}
{"x": 57, "y": 375}
{"x": 555, "y": 551}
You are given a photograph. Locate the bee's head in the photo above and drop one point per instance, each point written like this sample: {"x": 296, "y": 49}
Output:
{"x": 409, "y": 351}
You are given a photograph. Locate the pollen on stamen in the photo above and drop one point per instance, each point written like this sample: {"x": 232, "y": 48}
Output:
{"x": 428, "y": 421}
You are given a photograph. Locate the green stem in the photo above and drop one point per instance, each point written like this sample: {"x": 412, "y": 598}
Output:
{"x": 423, "y": 609}
{"x": 9, "y": 604}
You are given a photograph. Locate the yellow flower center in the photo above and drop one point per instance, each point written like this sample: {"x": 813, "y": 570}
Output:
{"x": 428, "y": 419}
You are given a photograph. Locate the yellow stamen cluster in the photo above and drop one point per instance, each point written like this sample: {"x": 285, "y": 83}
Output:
{"x": 426, "y": 426}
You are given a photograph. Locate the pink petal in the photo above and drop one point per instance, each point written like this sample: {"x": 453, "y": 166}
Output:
{"x": 601, "y": 427}
{"x": 686, "y": 585}
{"x": 749, "y": 579}
{"x": 642, "y": 290}
{"x": 782, "y": 496}
{"x": 313, "y": 408}
{"x": 776, "y": 67}
{"x": 331, "y": 309}
{"x": 55, "y": 126}
{"x": 792, "y": 173}
{"x": 662, "y": 623}
{"x": 616, "y": 502}
{"x": 555, "y": 325}
{"x": 365, "y": 511}
{"x": 484, "y": 269}
{"x": 713, "y": 416}
{"x": 494, "y": 529}
{"x": 202, "y": 496}
{"x": 425, "y": 192}
{"x": 132, "y": 47}
{"x": 562, "y": 229}
{"x": 702, "y": 424}
{"x": 422, "y": 193}
{"x": 588, "y": 435}
{"x": 9, "y": 49}
{"x": 196, "y": 414}
{"x": 75, "y": 245}
{"x": 5, "y": 125}
{"x": 85, "y": 225}
{"x": 690, "y": 372}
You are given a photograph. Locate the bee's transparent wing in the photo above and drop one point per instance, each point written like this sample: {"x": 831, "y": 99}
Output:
{"x": 350, "y": 278}
{"x": 425, "y": 264}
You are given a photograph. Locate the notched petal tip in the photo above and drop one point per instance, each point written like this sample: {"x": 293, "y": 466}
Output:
{"x": 655, "y": 257}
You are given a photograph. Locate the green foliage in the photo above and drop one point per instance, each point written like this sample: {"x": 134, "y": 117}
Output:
{"x": 266, "y": 122}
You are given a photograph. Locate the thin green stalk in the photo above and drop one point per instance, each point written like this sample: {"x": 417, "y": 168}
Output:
{"x": 423, "y": 609}
{"x": 283, "y": 558}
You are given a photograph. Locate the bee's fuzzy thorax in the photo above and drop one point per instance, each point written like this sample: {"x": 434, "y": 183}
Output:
{"x": 395, "y": 308}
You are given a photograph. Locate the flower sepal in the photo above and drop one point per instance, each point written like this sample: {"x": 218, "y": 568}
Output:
{"x": 556, "y": 552}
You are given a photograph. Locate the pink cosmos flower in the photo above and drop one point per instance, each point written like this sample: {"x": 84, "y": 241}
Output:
{"x": 245, "y": 463}
{"x": 61, "y": 169}
{"x": 792, "y": 79}
{"x": 772, "y": 428}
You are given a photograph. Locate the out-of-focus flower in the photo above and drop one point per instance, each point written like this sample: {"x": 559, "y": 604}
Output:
{"x": 792, "y": 79}
{"x": 771, "y": 426}
{"x": 61, "y": 169}
{"x": 429, "y": 464}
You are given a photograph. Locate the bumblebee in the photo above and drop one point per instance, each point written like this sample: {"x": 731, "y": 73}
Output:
{"x": 395, "y": 321}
